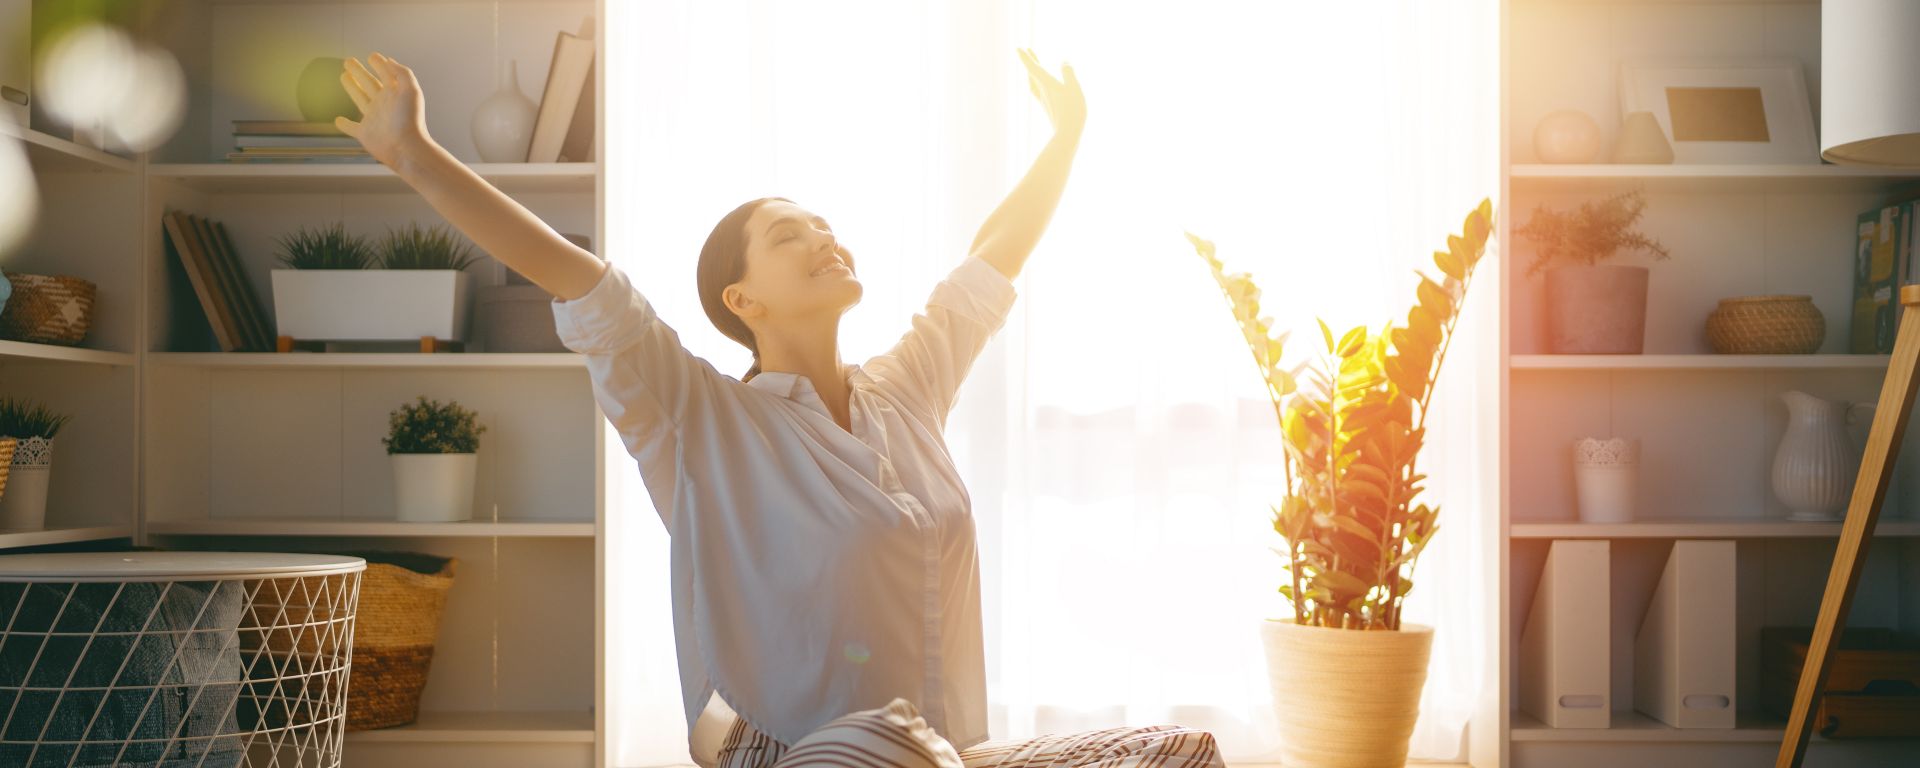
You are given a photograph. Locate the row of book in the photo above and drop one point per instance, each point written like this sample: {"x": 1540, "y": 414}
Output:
{"x": 240, "y": 320}
{"x": 562, "y": 128}
{"x": 1883, "y": 260}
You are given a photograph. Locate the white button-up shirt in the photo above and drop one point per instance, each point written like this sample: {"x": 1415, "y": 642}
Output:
{"x": 816, "y": 571}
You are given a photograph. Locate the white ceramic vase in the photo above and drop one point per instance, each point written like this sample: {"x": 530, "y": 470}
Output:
{"x": 1606, "y": 475}
{"x": 1566, "y": 136}
{"x": 1346, "y": 698}
{"x": 433, "y": 487}
{"x": 503, "y": 124}
{"x": 1815, "y": 465}
{"x": 24, "y": 506}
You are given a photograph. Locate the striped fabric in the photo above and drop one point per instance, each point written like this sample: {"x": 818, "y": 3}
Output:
{"x": 895, "y": 736}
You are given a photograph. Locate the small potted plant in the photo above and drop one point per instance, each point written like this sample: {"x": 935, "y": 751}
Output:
{"x": 341, "y": 287}
{"x": 1346, "y": 672}
{"x": 32, "y": 426}
{"x": 1592, "y": 308}
{"x": 435, "y": 448}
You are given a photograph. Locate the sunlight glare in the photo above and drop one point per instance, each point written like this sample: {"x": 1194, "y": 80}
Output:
{"x": 95, "y": 74}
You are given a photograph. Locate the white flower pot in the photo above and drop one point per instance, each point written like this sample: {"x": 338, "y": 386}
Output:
{"x": 1346, "y": 698}
{"x": 24, "y": 506}
{"x": 1606, "y": 474}
{"x": 372, "y": 304}
{"x": 433, "y": 487}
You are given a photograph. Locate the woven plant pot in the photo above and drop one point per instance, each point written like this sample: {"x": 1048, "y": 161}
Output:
{"x": 47, "y": 309}
{"x": 1346, "y": 698}
{"x": 401, "y": 598}
{"x": 1766, "y": 325}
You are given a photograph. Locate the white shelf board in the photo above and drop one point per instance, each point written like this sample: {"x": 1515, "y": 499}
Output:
{"x": 10, "y": 539}
{"x": 23, "y": 350}
{"x": 255, "y": 178}
{"x": 1697, "y": 362}
{"x": 335, "y": 360}
{"x": 1723, "y": 178}
{"x": 50, "y": 154}
{"x": 378, "y": 528}
{"x": 1705, "y": 529}
{"x": 1631, "y": 726}
{"x": 483, "y": 727}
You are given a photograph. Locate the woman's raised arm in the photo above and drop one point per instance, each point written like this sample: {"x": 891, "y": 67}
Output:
{"x": 1015, "y": 227}
{"x": 393, "y": 129}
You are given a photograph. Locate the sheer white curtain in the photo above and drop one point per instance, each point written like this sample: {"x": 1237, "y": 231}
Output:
{"x": 1115, "y": 437}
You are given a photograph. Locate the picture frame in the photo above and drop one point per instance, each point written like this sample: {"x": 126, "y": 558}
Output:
{"x": 1733, "y": 111}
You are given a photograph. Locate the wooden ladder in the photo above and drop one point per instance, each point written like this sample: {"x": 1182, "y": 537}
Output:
{"x": 1863, "y": 511}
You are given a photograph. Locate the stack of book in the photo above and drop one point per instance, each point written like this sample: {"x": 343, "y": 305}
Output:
{"x": 292, "y": 141}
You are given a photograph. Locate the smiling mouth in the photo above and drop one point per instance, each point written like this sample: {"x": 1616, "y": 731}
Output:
{"x": 829, "y": 268}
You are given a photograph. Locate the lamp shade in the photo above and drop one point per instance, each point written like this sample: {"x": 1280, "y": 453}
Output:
{"x": 1870, "y": 82}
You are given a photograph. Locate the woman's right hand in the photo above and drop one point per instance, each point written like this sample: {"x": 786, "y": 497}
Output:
{"x": 393, "y": 119}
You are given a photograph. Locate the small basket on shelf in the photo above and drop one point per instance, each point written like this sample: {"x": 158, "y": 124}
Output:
{"x": 47, "y": 309}
{"x": 1766, "y": 325}
{"x": 401, "y": 598}
{"x": 7, "y": 444}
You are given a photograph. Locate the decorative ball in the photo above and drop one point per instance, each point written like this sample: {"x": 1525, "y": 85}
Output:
{"x": 1566, "y": 136}
{"x": 321, "y": 96}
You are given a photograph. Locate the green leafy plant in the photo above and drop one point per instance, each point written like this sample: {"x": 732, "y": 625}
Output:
{"x": 414, "y": 247}
{"x": 327, "y": 247}
{"x": 1595, "y": 231}
{"x": 22, "y": 419}
{"x": 428, "y": 426}
{"x": 1351, "y": 519}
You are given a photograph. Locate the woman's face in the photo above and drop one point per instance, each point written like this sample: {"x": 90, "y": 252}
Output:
{"x": 795, "y": 267}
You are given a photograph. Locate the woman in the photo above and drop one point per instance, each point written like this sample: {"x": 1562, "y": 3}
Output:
{"x": 826, "y": 589}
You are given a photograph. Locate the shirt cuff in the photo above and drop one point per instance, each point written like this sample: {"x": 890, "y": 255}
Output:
{"x": 609, "y": 317}
{"x": 976, "y": 290}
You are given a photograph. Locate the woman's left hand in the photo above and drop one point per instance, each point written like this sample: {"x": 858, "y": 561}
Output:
{"x": 1066, "y": 105}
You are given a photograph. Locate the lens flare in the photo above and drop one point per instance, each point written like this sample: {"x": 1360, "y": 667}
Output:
{"x": 856, "y": 653}
{"x": 96, "y": 75}
{"x": 153, "y": 109}
{"x": 18, "y": 198}
{"x": 86, "y": 74}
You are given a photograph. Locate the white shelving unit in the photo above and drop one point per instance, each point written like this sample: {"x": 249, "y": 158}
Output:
{"x": 176, "y": 445}
{"x": 1708, "y": 423}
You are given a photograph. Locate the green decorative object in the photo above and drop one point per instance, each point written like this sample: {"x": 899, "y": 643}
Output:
{"x": 320, "y": 94}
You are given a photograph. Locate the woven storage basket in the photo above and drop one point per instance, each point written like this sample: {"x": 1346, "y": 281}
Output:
{"x": 47, "y": 309}
{"x": 1766, "y": 325}
{"x": 7, "y": 444}
{"x": 401, "y": 597}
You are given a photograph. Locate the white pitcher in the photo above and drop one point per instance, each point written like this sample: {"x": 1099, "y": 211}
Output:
{"x": 1815, "y": 466}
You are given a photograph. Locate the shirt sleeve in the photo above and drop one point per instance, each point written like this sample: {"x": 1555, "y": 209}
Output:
{"x": 644, "y": 380}
{"x": 929, "y": 362}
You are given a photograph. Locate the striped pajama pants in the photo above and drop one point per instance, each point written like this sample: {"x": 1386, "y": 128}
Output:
{"x": 895, "y": 736}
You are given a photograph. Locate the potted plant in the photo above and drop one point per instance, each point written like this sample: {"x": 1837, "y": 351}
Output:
{"x": 1592, "y": 308}
{"x": 341, "y": 287}
{"x": 1346, "y": 673}
{"x": 32, "y": 426}
{"x": 435, "y": 448}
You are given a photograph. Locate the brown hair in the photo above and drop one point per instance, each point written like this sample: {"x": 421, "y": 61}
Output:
{"x": 723, "y": 261}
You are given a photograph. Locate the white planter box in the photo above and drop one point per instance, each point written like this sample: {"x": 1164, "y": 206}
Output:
{"x": 372, "y": 304}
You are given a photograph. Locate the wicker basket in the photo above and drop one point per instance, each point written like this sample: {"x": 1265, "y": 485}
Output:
{"x": 401, "y": 597}
{"x": 47, "y": 309}
{"x": 1766, "y": 325}
{"x": 7, "y": 444}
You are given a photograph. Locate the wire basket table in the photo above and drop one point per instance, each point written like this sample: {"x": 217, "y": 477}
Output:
{"x": 175, "y": 659}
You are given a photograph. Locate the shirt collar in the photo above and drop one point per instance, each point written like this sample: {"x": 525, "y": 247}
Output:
{"x": 793, "y": 386}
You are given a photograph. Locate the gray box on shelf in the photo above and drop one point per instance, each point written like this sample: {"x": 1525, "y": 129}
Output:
{"x": 518, "y": 318}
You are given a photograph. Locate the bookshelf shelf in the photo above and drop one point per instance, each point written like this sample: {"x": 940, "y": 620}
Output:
{"x": 1704, "y": 529}
{"x": 1697, "y": 362}
{"x": 371, "y": 528}
{"x": 50, "y": 154}
{"x": 496, "y": 727}
{"x": 353, "y": 360}
{"x": 257, "y": 178}
{"x": 21, "y": 350}
{"x": 11, "y": 539}
{"x": 1707, "y": 178}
